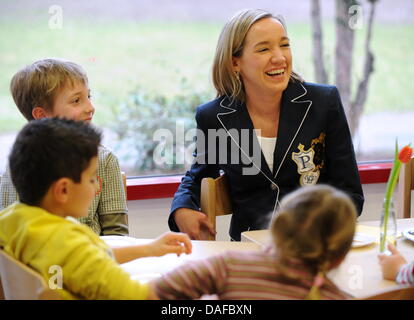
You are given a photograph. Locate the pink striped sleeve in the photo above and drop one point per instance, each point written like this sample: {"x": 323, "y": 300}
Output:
{"x": 192, "y": 280}
{"x": 406, "y": 274}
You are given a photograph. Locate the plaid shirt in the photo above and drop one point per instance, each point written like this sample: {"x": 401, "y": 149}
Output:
{"x": 107, "y": 214}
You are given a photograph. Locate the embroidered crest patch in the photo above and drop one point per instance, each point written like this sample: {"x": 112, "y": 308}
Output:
{"x": 309, "y": 178}
{"x": 304, "y": 159}
{"x": 309, "y": 173}
{"x": 318, "y": 145}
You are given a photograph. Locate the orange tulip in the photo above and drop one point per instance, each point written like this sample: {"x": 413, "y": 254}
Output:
{"x": 405, "y": 154}
{"x": 399, "y": 157}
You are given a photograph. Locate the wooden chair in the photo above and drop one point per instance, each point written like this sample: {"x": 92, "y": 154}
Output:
{"x": 215, "y": 200}
{"x": 125, "y": 189}
{"x": 401, "y": 293}
{"x": 1, "y": 290}
{"x": 125, "y": 183}
{"x": 23, "y": 283}
{"x": 405, "y": 186}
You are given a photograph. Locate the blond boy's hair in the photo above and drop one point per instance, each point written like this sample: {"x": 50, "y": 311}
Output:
{"x": 36, "y": 85}
{"x": 316, "y": 225}
{"x": 231, "y": 44}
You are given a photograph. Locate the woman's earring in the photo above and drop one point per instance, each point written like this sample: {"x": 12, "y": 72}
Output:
{"x": 238, "y": 85}
{"x": 237, "y": 74}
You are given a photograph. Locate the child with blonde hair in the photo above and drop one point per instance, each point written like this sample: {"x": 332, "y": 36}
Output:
{"x": 59, "y": 88}
{"x": 312, "y": 234}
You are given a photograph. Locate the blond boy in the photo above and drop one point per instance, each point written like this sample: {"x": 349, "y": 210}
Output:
{"x": 58, "y": 88}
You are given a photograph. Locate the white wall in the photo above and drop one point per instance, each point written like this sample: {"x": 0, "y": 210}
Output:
{"x": 148, "y": 218}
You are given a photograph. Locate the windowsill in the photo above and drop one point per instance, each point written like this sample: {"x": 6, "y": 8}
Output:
{"x": 166, "y": 186}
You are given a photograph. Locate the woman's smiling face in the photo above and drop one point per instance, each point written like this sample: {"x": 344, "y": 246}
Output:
{"x": 265, "y": 64}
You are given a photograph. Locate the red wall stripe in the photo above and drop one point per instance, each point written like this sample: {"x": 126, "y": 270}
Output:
{"x": 166, "y": 186}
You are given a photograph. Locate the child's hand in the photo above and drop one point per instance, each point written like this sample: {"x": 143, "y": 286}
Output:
{"x": 391, "y": 264}
{"x": 171, "y": 242}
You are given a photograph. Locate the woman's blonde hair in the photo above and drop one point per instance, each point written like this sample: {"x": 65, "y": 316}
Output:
{"x": 231, "y": 44}
{"x": 316, "y": 224}
{"x": 36, "y": 85}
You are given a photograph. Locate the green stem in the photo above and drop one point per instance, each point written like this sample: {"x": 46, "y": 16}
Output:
{"x": 392, "y": 181}
{"x": 385, "y": 224}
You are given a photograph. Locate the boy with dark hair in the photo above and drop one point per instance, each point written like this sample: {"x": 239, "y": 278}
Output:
{"x": 59, "y": 88}
{"x": 53, "y": 166}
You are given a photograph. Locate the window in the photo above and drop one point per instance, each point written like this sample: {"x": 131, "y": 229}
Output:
{"x": 149, "y": 64}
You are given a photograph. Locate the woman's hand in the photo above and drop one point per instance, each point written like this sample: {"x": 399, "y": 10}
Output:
{"x": 171, "y": 242}
{"x": 391, "y": 264}
{"x": 192, "y": 222}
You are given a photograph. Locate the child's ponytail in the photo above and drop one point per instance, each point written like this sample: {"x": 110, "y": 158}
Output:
{"x": 318, "y": 281}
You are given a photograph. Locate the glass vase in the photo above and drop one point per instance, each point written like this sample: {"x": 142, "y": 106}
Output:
{"x": 388, "y": 226}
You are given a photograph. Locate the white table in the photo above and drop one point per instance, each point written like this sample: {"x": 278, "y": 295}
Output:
{"x": 360, "y": 273}
{"x": 146, "y": 269}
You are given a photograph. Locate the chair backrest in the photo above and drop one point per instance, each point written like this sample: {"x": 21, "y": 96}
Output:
{"x": 123, "y": 175}
{"x": 405, "y": 185}
{"x": 400, "y": 293}
{"x": 125, "y": 183}
{"x": 215, "y": 200}
{"x": 1, "y": 290}
{"x": 20, "y": 282}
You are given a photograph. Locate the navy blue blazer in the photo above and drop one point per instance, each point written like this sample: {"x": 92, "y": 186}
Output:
{"x": 313, "y": 146}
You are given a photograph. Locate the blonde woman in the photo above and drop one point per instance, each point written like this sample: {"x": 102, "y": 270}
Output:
{"x": 268, "y": 130}
{"x": 312, "y": 234}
